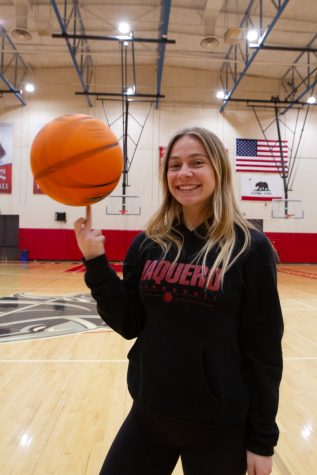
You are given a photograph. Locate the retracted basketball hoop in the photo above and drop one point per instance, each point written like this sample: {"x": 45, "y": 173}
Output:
{"x": 287, "y": 209}
{"x": 123, "y": 205}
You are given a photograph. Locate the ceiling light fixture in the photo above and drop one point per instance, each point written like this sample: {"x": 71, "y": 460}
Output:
{"x": 311, "y": 100}
{"x": 29, "y": 87}
{"x": 124, "y": 27}
{"x": 221, "y": 94}
{"x": 21, "y": 34}
{"x": 252, "y": 36}
{"x": 130, "y": 90}
{"x": 210, "y": 42}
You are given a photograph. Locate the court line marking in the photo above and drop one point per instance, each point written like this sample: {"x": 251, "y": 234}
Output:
{"x": 102, "y": 330}
{"x": 295, "y": 358}
{"x": 301, "y": 303}
{"x": 63, "y": 361}
{"x": 309, "y": 275}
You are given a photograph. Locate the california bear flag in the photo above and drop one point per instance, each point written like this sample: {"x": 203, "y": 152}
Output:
{"x": 263, "y": 187}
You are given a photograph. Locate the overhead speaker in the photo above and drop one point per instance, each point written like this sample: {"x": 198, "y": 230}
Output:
{"x": 233, "y": 36}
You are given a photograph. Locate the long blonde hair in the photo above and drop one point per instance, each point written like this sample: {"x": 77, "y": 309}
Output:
{"x": 221, "y": 210}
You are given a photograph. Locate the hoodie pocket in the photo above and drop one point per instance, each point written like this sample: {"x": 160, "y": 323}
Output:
{"x": 169, "y": 376}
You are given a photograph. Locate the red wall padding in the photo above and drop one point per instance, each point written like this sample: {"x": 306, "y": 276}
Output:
{"x": 295, "y": 247}
{"x": 60, "y": 245}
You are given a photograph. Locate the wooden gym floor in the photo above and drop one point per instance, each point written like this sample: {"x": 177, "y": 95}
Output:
{"x": 63, "y": 398}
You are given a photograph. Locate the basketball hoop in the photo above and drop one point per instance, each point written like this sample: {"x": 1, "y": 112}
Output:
{"x": 123, "y": 205}
{"x": 287, "y": 209}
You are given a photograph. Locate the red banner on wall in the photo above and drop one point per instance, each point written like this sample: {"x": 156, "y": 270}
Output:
{"x": 6, "y": 152}
{"x": 6, "y": 178}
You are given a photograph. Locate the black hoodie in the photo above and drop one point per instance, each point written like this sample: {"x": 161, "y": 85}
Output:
{"x": 204, "y": 357}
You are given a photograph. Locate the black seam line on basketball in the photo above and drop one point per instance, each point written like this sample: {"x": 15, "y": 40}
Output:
{"x": 79, "y": 186}
{"x": 73, "y": 159}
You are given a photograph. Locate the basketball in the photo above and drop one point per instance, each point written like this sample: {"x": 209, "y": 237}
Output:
{"x": 76, "y": 160}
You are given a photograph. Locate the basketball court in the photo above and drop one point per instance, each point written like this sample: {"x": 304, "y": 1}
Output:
{"x": 63, "y": 391}
{"x": 64, "y": 397}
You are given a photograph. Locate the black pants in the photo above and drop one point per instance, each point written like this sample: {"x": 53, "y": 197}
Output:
{"x": 149, "y": 445}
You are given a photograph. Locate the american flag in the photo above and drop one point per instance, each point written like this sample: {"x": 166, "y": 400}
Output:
{"x": 261, "y": 156}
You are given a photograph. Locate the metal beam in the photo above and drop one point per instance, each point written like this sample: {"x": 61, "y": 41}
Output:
{"x": 13, "y": 69}
{"x": 128, "y": 39}
{"x": 285, "y": 48}
{"x": 119, "y": 94}
{"x": 248, "y": 60}
{"x": 164, "y": 20}
{"x": 284, "y": 174}
{"x": 274, "y": 102}
{"x": 84, "y": 66}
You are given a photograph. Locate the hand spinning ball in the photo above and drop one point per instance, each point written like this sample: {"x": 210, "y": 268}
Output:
{"x": 76, "y": 160}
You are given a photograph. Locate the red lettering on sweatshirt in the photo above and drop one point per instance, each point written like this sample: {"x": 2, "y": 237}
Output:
{"x": 214, "y": 280}
{"x": 199, "y": 276}
{"x": 160, "y": 271}
{"x": 179, "y": 273}
{"x": 187, "y": 272}
{"x": 173, "y": 273}
{"x": 148, "y": 270}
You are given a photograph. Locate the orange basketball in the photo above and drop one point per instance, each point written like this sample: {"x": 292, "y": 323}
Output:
{"x": 76, "y": 159}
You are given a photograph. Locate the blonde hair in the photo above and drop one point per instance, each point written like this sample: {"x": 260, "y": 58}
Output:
{"x": 222, "y": 213}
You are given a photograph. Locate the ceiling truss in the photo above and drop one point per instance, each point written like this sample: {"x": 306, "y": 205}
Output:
{"x": 80, "y": 44}
{"x": 13, "y": 69}
{"x": 78, "y": 47}
{"x": 299, "y": 79}
{"x": 231, "y": 76}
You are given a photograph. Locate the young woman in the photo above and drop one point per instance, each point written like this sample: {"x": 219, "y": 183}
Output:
{"x": 199, "y": 294}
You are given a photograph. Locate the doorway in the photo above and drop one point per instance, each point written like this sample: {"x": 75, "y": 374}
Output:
{"x": 9, "y": 237}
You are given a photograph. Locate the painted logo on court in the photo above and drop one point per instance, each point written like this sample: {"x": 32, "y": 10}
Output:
{"x": 26, "y": 317}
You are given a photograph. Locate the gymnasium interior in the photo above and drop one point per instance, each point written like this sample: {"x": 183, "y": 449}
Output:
{"x": 244, "y": 69}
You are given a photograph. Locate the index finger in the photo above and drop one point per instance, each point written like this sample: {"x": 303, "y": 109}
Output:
{"x": 88, "y": 216}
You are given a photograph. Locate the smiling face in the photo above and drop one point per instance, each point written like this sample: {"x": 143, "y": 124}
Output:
{"x": 190, "y": 175}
